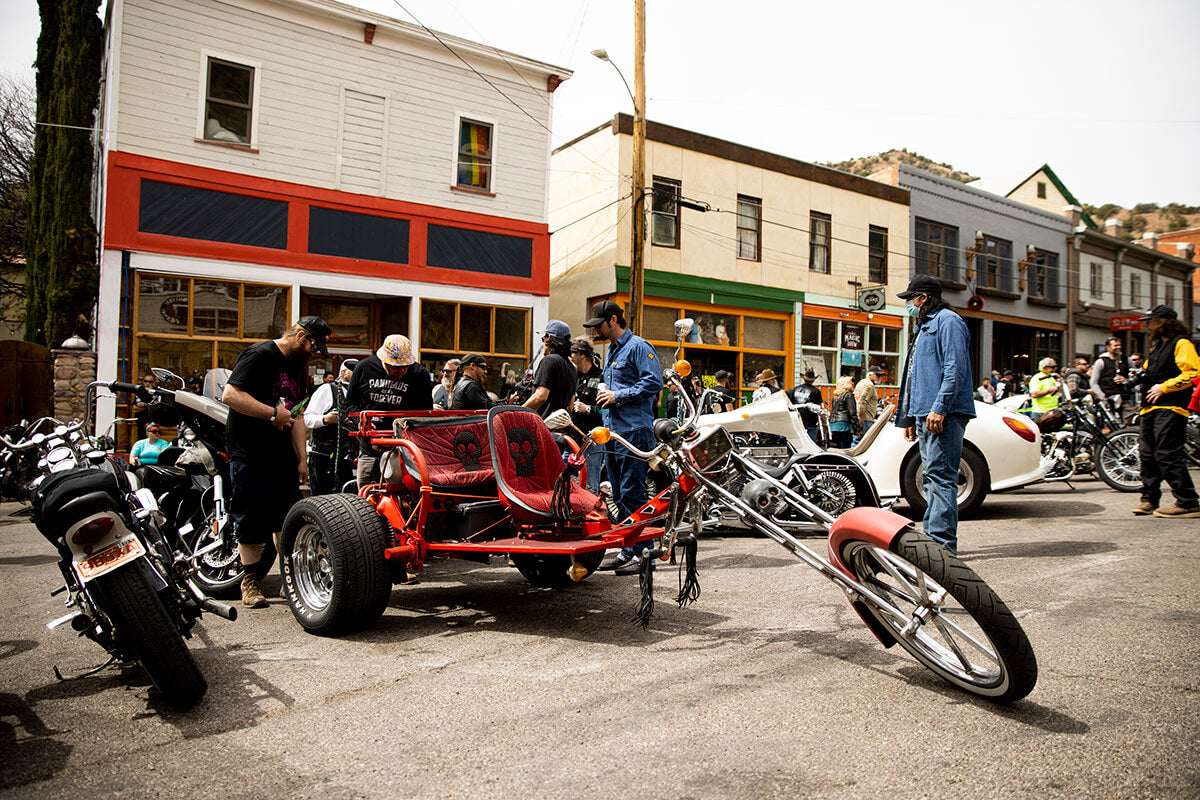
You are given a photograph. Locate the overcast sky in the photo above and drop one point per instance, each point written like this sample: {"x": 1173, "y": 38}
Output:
{"x": 996, "y": 90}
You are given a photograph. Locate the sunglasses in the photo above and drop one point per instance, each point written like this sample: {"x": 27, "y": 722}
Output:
{"x": 152, "y": 430}
{"x": 144, "y": 380}
{"x": 447, "y": 372}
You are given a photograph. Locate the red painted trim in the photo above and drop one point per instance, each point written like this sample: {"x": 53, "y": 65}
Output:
{"x": 126, "y": 171}
{"x": 877, "y": 526}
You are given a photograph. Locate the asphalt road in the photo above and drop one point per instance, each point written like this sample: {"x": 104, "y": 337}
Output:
{"x": 477, "y": 685}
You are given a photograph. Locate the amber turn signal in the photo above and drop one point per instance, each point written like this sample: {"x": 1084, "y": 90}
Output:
{"x": 601, "y": 435}
{"x": 683, "y": 368}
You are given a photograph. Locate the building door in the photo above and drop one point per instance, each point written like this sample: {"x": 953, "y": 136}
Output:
{"x": 26, "y": 394}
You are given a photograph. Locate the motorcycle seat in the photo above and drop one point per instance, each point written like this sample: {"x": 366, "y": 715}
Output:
{"x": 67, "y": 497}
{"x": 456, "y": 452}
{"x": 779, "y": 472}
{"x": 527, "y": 462}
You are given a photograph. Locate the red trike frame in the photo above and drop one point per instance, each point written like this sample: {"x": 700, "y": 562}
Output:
{"x": 408, "y": 504}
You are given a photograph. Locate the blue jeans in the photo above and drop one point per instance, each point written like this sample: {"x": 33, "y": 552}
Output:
{"x": 627, "y": 473}
{"x": 940, "y": 454}
{"x": 815, "y": 435}
{"x": 594, "y": 464}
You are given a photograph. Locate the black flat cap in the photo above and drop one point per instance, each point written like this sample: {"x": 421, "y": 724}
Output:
{"x": 921, "y": 284}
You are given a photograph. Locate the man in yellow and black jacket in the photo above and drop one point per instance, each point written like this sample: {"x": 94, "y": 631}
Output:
{"x": 1167, "y": 383}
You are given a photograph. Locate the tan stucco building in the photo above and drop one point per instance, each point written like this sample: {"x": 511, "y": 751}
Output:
{"x": 772, "y": 271}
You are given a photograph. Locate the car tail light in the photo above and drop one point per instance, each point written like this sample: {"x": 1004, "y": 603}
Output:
{"x": 92, "y": 532}
{"x": 1021, "y": 428}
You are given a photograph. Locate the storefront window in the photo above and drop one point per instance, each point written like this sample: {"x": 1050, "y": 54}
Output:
{"x": 451, "y": 330}
{"x": 834, "y": 348}
{"x": 721, "y": 339}
{"x": 265, "y": 312}
{"x": 222, "y": 316}
{"x": 215, "y": 308}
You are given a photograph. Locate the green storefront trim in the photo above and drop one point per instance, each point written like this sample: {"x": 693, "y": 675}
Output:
{"x": 692, "y": 289}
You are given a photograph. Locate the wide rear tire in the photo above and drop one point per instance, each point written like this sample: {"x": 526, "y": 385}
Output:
{"x": 143, "y": 629}
{"x": 553, "y": 571}
{"x": 966, "y": 635}
{"x": 335, "y": 575}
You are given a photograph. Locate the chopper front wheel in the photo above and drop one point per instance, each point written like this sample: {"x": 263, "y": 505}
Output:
{"x": 954, "y": 623}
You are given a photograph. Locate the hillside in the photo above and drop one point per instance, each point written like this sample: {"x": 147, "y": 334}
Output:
{"x": 871, "y": 164}
{"x": 1146, "y": 217}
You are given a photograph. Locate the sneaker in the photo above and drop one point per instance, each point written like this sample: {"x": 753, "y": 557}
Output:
{"x": 1144, "y": 509}
{"x": 1177, "y": 511}
{"x": 252, "y": 593}
{"x": 619, "y": 560}
{"x": 632, "y": 567}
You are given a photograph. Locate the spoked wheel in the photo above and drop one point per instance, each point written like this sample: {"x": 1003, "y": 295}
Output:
{"x": 1118, "y": 461}
{"x": 335, "y": 575}
{"x": 833, "y": 492}
{"x": 1191, "y": 443}
{"x": 554, "y": 570}
{"x": 945, "y": 616}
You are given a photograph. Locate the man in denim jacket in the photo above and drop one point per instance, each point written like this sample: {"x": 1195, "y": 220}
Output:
{"x": 937, "y": 401}
{"x": 632, "y": 379}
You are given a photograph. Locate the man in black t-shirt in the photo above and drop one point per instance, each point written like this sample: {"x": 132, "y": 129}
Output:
{"x": 808, "y": 392}
{"x": 266, "y": 443}
{"x": 555, "y": 377}
{"x": 390, "y": 380}
{"x": 721, "y": 397}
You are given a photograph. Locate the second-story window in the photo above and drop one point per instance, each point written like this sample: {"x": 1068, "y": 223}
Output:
{"x": 1045, "y": 275}
{"x": 749, "y": 227}
{"x": 474, "y": 155}
{"x": 664, "y": 213}
{"x": 997, "y": 263}
{"x": 877, "y": 250}
{"x": 818, "y": 241}
{"x": 936, "y": 249}
{"x": 1135, "y": 290}
{"x": 228, "y": 102}
{"x": 1096, "y": 281}
{"x": 1169, "y": 294}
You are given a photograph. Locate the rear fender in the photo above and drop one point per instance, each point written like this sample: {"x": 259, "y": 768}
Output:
{"x": 839, "y": 459}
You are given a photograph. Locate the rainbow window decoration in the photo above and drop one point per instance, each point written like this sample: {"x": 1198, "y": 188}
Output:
{"x": 475, "y": 155}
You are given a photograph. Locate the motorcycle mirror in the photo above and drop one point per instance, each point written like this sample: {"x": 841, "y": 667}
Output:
{"x": 683, "y": 327}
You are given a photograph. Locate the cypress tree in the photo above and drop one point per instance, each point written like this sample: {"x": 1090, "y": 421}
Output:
{"x": 61, "y": 272}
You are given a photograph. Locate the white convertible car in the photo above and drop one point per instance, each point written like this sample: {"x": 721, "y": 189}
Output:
{"x": 1001, "y": 450}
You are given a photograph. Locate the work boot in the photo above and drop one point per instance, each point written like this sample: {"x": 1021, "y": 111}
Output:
{"x": 1177, "y": 511}
{"x": 252, "y": 593}
{"x": 1144, "y": 509}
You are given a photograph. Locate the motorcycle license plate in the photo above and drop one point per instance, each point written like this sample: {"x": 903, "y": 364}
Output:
{"x": 110, "y": 558}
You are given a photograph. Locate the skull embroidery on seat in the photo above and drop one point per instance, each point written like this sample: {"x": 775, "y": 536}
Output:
{"x": 524, "y": 449}
{"x": 467, "y": 449}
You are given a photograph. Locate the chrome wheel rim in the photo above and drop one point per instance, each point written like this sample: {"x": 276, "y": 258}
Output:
{"x": 1120, "y": 460}
{"x": 312, "y": 572}
{"x": 833, "y": 492}
{"x": 966, "y": 481}
{"x": 927, "y": 620}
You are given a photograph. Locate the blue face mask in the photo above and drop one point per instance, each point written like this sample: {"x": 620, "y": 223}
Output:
{"x": 911, "y": 308}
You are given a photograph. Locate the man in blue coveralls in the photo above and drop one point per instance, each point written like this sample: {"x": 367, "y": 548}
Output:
{"x": 632, "y": 379}
{"x": 937, "y": 400}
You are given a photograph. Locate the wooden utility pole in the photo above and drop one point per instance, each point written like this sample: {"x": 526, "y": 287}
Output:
{"x": 637, "y": 249}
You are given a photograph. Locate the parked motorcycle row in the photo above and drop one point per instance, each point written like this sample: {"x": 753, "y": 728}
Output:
{"x": 141, "y": 551}
{"x": 144, "y": 551}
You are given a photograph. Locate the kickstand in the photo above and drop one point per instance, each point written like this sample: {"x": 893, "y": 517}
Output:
{"x": 86, "y": 673}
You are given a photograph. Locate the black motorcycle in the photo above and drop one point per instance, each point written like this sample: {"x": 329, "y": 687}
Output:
{"x": 191, "y": 483}
{"x": 1081, "y": 438}
{"x": 128, "y": 589}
